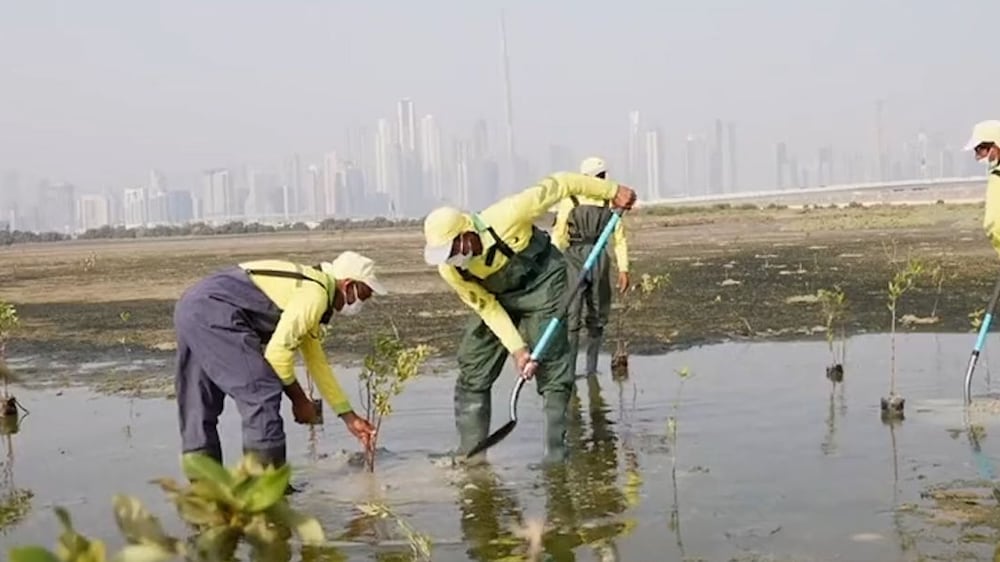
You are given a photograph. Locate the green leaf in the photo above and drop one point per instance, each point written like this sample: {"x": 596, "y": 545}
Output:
{"x": 144, "y": 553}
{"x": 31, "y": 554}
{"x": 138, "y": 525}
{"x": 217, "y": 544}
{"x": 200, "y": 511}
{"x": 267, "y": 489}
{"x": 260, "y": 534}
{"x": 307, "y": 528}
{"x": 202, "y": 467}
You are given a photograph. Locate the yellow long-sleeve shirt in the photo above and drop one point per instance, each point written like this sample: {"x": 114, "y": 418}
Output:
{"x": 560, "y": 231}
{"x": 302, "y": 304}
{"x": 991, "y": 215}
{"x": 512, "y": 218}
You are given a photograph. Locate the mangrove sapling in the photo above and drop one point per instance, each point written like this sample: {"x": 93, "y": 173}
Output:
{"x": 902, "y": 281}
{"x": 223, "y": 505}
{"x": 833, "y": 304}
{"x": 675, "y": 516}
{"x": 9, "y": 322}
{"x": 420, "y": 544}
{"x": 636, "y": 297}
{"x": 387, "y": 368}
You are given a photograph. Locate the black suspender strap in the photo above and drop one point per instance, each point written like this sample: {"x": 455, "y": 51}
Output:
{"x": 298, "y": 276}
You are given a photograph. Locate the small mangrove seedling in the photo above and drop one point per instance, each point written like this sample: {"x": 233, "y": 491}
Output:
{"x": 833, "y": 304}
{"x": 9, "y": 322}
{"x": 224, "y": 506}
{"x": 636, "y": 297}
{"x": 387, "y": 368}
{"x": 903, "y": 280}
{"x": 675, "y": 514}
{"x": 420, "y": 544}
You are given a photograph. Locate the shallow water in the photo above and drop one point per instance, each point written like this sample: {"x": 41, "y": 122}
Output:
{"x": 770, "y": 461}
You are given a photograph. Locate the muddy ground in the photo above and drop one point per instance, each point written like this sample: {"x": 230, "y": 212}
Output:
{"x": 735, "y": 273}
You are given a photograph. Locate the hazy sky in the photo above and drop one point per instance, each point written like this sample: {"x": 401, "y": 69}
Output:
{"x": 98, "y": 91}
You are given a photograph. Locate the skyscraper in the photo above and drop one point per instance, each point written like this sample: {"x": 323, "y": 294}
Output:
{"x": 634, "y": 171}
{"x": 731, "y": 162}
{"x": 431, "y": 158}
{"x": 781, "y": 165}
{"x": 715, "y": 168}
{"x": 218, "y": 196}
{"x": 330, "y": 168}
{"x": 510, "y": 154}
{"x": 654, "y": 162}
{"x": 406, "y": 125}
{"x": 463, "y": 164}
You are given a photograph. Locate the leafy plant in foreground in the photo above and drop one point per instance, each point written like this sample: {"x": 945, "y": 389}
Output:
{"x": 224, "y": 506}
{"x": 387, "y": 368}
{"x": 635, "y": 298}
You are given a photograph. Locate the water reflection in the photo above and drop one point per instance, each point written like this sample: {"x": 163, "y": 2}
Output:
{"x": 14, "y": 502}
{"x": 584, "y": 504}
{"x": 829, "y": 444}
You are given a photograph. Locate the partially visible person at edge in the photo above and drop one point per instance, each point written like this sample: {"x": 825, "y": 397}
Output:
{"x": 237, "y": 333}
{"x": 985, "y": 143}
{"x": 508, "y": 272}
{"x": 579, "y": 223}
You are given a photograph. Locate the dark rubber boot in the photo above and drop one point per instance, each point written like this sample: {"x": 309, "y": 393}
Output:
{"x": 472, "y": 420}
{"x": 593, "y": 352}
{"x": 556, "y": 409}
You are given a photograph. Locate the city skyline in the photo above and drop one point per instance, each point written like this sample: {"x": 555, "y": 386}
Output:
{"x": 359, "y": 122}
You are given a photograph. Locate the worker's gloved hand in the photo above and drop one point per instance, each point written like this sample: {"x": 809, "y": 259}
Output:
{"x": 623, "y": 281}
{"x": 624, "y": 197}
{"x": 525, "y": 366}
{"x": 360, "y": 428}
{"x": 304, "y": 410}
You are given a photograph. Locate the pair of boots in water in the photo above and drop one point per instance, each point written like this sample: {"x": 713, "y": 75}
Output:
{"x": 473, "y": 411}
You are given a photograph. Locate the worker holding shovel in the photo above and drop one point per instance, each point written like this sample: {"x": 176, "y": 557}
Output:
{"x": 237, "y": 333}
{"x": 579, "y": 223}
{"x": 508, "y": 272}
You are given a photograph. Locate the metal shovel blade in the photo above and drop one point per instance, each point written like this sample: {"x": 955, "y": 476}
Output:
{"x": 496, "y": 437}
{"x": 499, "y": 435}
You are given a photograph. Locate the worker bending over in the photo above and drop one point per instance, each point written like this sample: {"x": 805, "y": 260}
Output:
{"x": 508, "y": 272}
{"x": 985, "y": 143}
{"x": 579, "y": 223}
{"x": 237, "y": 333}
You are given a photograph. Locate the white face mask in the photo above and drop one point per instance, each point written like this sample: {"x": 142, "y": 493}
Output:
{"x": 350, "y": 309}
{"x": 461, "y": 259}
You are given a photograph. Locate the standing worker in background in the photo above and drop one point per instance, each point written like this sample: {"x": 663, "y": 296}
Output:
{"x": 579, "y": 223}
{"x": 985, "y": 143}
{"x": 508, "y": 272}
{"x": 237, "y": 333}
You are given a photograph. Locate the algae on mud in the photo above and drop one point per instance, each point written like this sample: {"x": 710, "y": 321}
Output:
{"x": 69, "y": 311}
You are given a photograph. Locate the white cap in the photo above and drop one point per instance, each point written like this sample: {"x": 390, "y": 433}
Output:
{"x": 984, "y": 131}
{"x": 593, "y": 166}
{"x": 354, "y": 266}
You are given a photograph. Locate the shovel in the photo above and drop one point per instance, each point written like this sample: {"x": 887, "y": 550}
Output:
{"x": 980, "y": 341}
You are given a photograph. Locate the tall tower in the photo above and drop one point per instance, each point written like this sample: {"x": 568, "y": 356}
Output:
{"x": 880, "y": 156}
{"x": 431, "y": 158}
{"x": 733, "y": 185}
{"x": 634, "y": 161}
{"x": 509, "y": 157}
{"x": 654, "y": 158}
